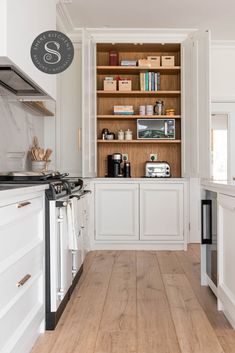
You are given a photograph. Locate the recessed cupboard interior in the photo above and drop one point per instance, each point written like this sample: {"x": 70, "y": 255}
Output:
{"x": 168, "y": 91}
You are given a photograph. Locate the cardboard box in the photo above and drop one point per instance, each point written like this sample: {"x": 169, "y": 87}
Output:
{"x": 124, "y": 85}
{"x": 144, "y": 63}
{"x": 110, "y": 85}
{"x": 155, "y": 61}
{"x": 168, "y": 61}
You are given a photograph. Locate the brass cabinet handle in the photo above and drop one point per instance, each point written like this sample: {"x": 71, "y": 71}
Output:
{"x": 23, "y": 280}
{"x": 79, "y": 139}
{"x": 23, "y": 204}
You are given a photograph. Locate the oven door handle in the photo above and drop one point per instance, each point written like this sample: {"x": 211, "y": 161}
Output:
{"x": 206, "y": 222}
{"x": 61, "y": 291}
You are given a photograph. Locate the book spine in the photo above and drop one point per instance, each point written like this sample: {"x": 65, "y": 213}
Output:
{"x": 158, "y": 81}
{"x": 142, "y": 82}
{"x": 150, "y": 81}
{"x": 146, "y": 81}
{"x": 155, "y": 80}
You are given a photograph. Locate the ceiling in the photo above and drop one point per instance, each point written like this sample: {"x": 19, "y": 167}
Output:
{"x": 216, "y": 15}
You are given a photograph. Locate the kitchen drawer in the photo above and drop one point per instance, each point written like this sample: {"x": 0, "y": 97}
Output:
{"x": 19, "y": 229}
{"x": 22, "y": 209}
{"x": 32, "y": 264}
{"x": 19, "y": 314}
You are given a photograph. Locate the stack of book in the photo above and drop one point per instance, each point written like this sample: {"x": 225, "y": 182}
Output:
{"x": 150, "y": 81}
{"x": 123, "y": 110}
{"x": 128, "y": 62}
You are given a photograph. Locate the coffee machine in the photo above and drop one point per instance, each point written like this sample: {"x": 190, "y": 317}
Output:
{"x": 115, "y": 165}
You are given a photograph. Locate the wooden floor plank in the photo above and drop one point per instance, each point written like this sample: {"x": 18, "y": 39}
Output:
{"x": 80, "y": 330}
{"x": 122, "y": 305}
{"x": 168, "y": 262}
{"x": 195, "y": 334}
{"x": 155, "y": 328}
{"x": 116, "y": 342}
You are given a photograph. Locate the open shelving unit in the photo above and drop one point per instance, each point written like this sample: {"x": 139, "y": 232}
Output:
{"x": 138, "y": 150}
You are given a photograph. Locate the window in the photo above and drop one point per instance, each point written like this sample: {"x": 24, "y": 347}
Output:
{"x": 219, "y": 146}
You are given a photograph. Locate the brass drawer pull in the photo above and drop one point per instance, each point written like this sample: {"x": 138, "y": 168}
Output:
{"x": 23, "y": 204}
{"x": 23, "y": 280}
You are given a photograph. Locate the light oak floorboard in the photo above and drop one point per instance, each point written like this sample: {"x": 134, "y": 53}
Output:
{"x": 168, "y": 262}
{"x": 140, "y": 302}
{"x": 155, "y": 328}
{"x": 195, "y": 334}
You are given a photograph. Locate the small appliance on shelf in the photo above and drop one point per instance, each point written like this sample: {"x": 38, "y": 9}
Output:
{"x": 115, "y": 167}
{"x": 157, "y": 169}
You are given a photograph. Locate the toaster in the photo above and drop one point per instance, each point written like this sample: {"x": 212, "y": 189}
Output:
{"x": 157, "y": 169}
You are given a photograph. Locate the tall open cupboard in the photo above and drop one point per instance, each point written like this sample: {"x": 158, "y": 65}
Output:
{"x": 184, "y": 87}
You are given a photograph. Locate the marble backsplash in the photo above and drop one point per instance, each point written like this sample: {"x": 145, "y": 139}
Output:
{"x": 18, "y": 126}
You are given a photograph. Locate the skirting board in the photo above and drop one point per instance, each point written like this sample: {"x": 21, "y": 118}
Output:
{"x": 137, "y": 246}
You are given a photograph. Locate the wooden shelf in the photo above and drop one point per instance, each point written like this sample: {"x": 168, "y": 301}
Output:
{"x": 102, "y": 93}
{"x": 38, "y": 107}
{"x": 138, "y": 141}
{"x": 132, "y": 70}
{"x": 129, "y": 117}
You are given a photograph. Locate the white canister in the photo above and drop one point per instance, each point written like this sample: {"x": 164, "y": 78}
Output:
{"x": 128, "y": 134}
{"x": 149, "y": 110}
{"x": 120, "y": 135}
{"x": 142, "y": 110}
{"x": 38, "y": 166}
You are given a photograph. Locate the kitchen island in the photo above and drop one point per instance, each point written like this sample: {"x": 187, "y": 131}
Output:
{"x": 139, "y": 213}
{"x": 223, "y": 238}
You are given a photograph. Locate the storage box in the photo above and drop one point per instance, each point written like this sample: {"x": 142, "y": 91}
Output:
{"x": 124, "y": 85}
{"x": 168, "y": 61}
{"x": 154, "y": 61}
{"x": 110, "y": 85}
{"x": 144, "y": 63}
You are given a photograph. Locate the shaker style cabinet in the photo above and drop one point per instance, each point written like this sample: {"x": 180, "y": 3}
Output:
{"x": 186, "y": 88}
{"x": 22, "y": 310}
{"x": 162, "y": 212}
{"x": 226, "y": 255}
{"x": 140, "y": 213}
{"x": 116, "y": 212}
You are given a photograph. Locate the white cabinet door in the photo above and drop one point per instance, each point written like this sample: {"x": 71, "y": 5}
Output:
{"x": 196, "y": 104}
{"x": 116, "y": 212}
{"x": 69, "y": 108}
{"x": 161, "y": 212}
{"x": 88, "y": 106}
{"x": 226, "y": 253}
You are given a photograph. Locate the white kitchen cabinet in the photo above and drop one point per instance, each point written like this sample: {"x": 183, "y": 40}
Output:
{"x": 162, "y": 212}
{"x": 22, "y": 311}
{"x": 226, "y": 255}
{"x": 69, "y": 117}
{"x": 20, "y": 23}
{"x": 116, "y": 212}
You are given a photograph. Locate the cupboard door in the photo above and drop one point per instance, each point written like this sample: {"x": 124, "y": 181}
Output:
{"x": 116, "y": 212}
{"x": 196, "y": 104}
{"x": 226, "y": 255}
{"x": 161, "y": 212}
{"x": 88, "y": 106}
{"x": 69, "y": 109}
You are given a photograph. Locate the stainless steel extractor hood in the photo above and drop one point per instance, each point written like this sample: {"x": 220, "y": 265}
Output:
{"x": 16, "y": 82}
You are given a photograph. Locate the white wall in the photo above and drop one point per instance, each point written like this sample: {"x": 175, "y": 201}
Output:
{"x": 223, "y": 71}
{"x": 18, "y": 126}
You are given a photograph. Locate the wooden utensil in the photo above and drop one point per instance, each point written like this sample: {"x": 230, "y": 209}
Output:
{"x": 47, "y": 154}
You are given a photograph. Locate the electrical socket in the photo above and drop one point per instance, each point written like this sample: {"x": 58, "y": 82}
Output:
{"x": 125, "y": 157}
{"x": 153, "y": 157}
